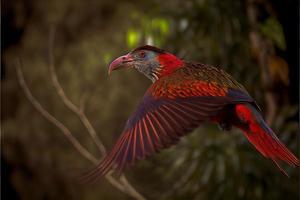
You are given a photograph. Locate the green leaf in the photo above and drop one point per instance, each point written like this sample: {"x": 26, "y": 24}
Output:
{"x": 272, "y": 29}
{"x": 132, "y": 37}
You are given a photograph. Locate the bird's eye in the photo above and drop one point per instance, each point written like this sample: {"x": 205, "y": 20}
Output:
{"x": 142, "y": 54}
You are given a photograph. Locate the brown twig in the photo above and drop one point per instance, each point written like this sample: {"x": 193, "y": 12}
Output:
{"x": 79, "y": 112}
{"x": 51, "y": 118}
{"x": 82, "y": 103}
{"x": 123, "y": 185}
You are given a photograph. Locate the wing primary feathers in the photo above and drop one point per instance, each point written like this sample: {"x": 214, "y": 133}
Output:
{"x": 124, "y": 157}
{"x": 108, "y": 165}
{"x": 147, "y": 145}
{"x": 161, "y": 122}
{"x": 279, "y": 167}
{"x": 92, "y": 175}
{"x": 193, "y": 120}
{"x": 163, "y": 135}
{"x": 134, "y": 144}
{"x": 159, "y": 142}
{"x": 183, "y": 120}
{"x": 169, "y": 127}
{"x": 171, "y": 132}
{"x": 178, "y": 130}
{"x": 141, "y": 140}
{"x": 148, "y": 136}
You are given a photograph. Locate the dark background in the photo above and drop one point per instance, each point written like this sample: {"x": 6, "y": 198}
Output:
{"x": 257, "y": 41}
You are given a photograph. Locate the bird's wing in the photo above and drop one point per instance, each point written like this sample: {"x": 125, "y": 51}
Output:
{"x": 169, "y": 110}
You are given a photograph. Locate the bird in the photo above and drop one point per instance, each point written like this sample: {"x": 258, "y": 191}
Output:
{"x": 182, "y": 95}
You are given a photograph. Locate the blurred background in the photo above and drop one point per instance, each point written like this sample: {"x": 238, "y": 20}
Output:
{"x": 63, "y": 49}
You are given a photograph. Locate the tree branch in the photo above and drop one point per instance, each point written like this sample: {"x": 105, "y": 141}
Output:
{"x": 50, "y": 117}
{"x": 124, "y": 186}
{"x": 79, "y": 112}
{"x": 121, "y": 184}
{"x": 82, "y": 103}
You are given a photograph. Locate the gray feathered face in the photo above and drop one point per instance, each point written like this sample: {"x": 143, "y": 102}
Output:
{"x": 147, "y": 63}
{"x": 144, "y": 59}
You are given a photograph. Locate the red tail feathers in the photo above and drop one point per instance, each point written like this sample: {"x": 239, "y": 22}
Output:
{"x": 262, "y": 137}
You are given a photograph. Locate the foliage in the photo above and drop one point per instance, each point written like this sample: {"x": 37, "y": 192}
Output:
{"x": 273, "y": 30}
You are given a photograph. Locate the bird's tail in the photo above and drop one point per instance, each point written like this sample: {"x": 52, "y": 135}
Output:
{"x": 262, "y": 137}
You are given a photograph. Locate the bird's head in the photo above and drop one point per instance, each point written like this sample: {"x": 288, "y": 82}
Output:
{"x": 151, "y": 61}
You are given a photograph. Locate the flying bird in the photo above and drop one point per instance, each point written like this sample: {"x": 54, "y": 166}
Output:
{"x": 182, "y": 95}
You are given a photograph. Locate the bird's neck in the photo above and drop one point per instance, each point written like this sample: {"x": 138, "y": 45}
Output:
{"x": 164, "y": 65}
{"x": 168, "y": 64}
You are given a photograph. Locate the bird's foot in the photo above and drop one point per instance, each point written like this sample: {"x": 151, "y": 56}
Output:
{"x": 225, "y": 126}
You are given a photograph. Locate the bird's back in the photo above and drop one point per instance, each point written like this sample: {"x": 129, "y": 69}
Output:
{"x": 197, "y": 79}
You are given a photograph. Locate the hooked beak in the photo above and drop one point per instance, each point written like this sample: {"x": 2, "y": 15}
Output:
{"x": 121, "y": 62}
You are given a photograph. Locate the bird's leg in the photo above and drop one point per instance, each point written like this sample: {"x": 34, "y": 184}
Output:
{"x": 225, "y": 126}
{"x": 224, "y": 118}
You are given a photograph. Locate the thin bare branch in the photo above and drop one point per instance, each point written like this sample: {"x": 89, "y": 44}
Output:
{"x": 79, "y": 112}
{"x": 121, "y": 184}
{"x": 82, "y": 103}
{"x": 51, "y": 118}
{"x": 130, "y": 189}
{"x": 67, "y": 132}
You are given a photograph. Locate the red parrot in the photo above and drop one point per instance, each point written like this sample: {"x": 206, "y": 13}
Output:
{"x": 183, "y": 95}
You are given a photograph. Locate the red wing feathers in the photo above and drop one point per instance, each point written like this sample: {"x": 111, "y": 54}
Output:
{"x": 153, "y": 130}
{"x": 175, "y": 105}
{"x": 167, "y": 112}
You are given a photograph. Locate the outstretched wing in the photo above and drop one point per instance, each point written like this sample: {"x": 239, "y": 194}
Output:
{"x": 168, "y": 111}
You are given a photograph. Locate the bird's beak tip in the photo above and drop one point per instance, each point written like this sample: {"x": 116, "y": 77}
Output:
{"x": 119, "y": 62}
